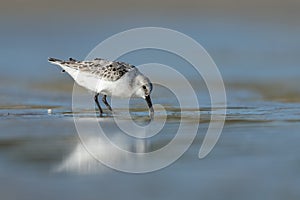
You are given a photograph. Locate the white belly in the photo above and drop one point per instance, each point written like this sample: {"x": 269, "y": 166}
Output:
{"x": 119, "y": 88}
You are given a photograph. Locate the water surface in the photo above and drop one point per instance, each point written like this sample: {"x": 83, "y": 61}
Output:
{"x": 256, "y": 157}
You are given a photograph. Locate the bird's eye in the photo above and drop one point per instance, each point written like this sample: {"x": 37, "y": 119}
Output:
{"x": 144, "y": 87}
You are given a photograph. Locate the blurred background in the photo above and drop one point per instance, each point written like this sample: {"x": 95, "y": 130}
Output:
{"x": 248, "y": 40}
{"x": 256, "y": 46}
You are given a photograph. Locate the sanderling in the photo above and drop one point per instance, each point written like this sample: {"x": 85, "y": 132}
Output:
{"x": 109, "y": 78}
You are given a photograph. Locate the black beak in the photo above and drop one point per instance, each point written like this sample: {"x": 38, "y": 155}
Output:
{"x": 151, "y": 110}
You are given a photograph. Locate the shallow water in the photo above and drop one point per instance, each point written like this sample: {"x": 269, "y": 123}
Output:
{"x": 43, "y": 157}
{"x": 256, "y": 157}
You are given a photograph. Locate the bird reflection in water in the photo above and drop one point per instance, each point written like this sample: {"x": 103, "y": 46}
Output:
{"x": 92, "y": 149}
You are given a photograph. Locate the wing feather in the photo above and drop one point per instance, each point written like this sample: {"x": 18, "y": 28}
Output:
{"x": 103, "y": 69}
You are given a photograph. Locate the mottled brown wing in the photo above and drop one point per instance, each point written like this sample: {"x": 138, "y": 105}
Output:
{"x": 104, "y": 69}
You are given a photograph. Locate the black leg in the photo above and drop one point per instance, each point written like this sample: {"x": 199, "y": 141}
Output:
{"x": 105, "y": 102}
{"x": 97, "y": 102}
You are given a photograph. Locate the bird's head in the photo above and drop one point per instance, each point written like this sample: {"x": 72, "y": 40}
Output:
{"x": 143, "y": 86}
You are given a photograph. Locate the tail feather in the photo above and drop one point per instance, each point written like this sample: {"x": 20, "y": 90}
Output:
{"x": 65, "y": 65}
{"x": 55, "y": 60}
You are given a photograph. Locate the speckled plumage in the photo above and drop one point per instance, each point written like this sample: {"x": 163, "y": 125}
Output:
{"x": 109, "y": 78}
{"x": 103, "y": 69}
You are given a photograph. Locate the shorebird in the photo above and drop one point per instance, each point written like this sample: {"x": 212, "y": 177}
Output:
{"x": 108, "y": 78}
